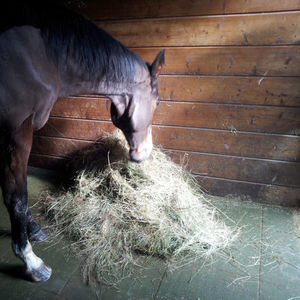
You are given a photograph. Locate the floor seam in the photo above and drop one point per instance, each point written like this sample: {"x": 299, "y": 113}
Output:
{"x": 260, "y": 251}
{"x": 159, "y": 284}
{"x": 66, "y": 283}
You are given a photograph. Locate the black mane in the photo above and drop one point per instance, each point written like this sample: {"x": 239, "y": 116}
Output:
{"x": 70, "y": 35}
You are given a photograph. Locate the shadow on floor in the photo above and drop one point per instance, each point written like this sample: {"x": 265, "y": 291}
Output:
{"x": 14, "y": 271}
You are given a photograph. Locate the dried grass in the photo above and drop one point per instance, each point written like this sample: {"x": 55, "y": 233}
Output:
{"x": 117, "y": 210}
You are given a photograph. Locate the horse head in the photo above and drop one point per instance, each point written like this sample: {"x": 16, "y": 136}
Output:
{"x": 133, "y": 113}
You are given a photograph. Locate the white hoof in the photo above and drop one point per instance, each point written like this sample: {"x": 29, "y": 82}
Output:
{"x": 43, "y": 273}
{"x": 36, "y": 269}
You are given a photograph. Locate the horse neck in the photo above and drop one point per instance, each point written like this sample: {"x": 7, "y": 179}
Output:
{"x": 71, "y": 86}
{"x": 76, "y": 82}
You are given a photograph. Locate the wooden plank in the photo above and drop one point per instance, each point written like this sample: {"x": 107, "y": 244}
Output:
{"x": 270, "y": 61}
{"x": 119, "y": 9}
{"x": 264, "y": 119}
{"x": 93, "y": 108}
{"x": 268, "y": 194}
{"x": 222, "y": 142}
{"x": 240, "y": 168}
{"x": 128, "y": 9}
{"x": 186, "y": 139}
{"x": 242, "y": 6}
{"x": 75, "y": 129}
{"x": 241, "y": 90}
{"x": 47, "y": 161}
{"x": 260, "y": 29}
{"x": 60, "y": 147}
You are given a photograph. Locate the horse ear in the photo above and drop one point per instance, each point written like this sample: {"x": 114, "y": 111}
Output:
{"x": 159, "y": 61}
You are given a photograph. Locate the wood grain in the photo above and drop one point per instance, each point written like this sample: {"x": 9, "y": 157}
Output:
{"x": 242, "y": 6}
{"x": 120, "y": 9}
{"x": 240, "y": 168}
{"x": 265, "y": 119}
{"x": 93, "y": 108}
{"x": 283, "y": 91}
{"x": 47, "y": 162}
{"x": 223, "y": 142}
{"x": 260, "y": 29}
{"x": 57, "y": 147}
{"x": 268, "y": 194}
{"x": 75, "y": 129}
{"x": 264, "y": 61}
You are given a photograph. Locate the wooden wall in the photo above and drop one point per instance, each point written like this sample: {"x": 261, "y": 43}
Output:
{"x": 230, "y": 92}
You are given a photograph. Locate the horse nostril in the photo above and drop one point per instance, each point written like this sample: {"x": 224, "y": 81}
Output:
{"x": 134, "y": 156}
{"x": 135, "y": 160}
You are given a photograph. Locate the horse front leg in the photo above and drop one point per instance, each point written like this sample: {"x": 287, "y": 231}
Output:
{"x": 35, "y": 232}
{"x": 14, "y": 190}
{"x": 16, "y": 203}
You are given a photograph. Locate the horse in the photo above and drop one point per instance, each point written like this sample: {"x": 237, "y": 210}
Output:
{"x": 48, "y": 52}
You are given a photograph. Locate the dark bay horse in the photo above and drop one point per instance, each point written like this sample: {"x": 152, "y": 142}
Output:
{"x": 47, "y": 52}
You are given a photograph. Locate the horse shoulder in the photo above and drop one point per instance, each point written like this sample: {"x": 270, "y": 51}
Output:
{"x": 28, "y": 78}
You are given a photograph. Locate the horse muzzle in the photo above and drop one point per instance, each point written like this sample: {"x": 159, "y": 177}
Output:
{"x": 139, "y": 156}
{"x": 143, "y": 150}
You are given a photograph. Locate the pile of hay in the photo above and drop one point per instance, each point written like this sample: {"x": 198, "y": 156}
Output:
{"x": 117, "y": 210}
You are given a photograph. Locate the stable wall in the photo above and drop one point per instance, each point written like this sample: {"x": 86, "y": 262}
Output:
{"x": 230, "y": 92}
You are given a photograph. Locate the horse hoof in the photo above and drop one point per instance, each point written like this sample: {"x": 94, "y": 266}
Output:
{"x": 41, "y": 274}
{"x": 39, "y": 236}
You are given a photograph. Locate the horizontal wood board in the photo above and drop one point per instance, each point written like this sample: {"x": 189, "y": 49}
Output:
{"x": 284, "y": 91}
{"x": 259, "y": 29}
{"x": 268, "y": 194}
{"x": 128, "y": 9}
{"x": 232, "y": 60}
